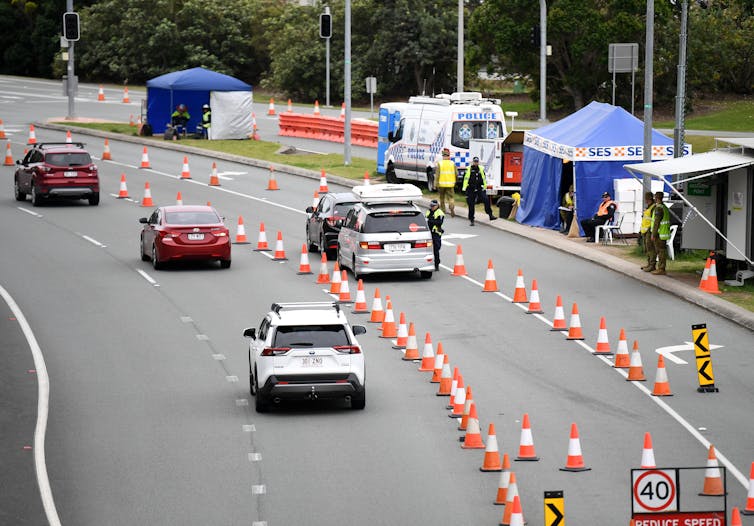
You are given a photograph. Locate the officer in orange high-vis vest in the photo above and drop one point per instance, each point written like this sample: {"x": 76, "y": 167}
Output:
{"x": 604, "y": 214}
{"x": 446, "y": 180}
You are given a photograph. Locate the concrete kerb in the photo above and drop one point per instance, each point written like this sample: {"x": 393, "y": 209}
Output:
{"x": 547, "y": 237}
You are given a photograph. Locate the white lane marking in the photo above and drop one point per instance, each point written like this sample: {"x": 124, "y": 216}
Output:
{"x": 43, "y": 401}
{"x": 147, "y": 277}
{"x": 202, "y": 337}
{"x": 231, "y": 379}
{"x": 218, "y": 357}
{"x": 458, "y": 236}
{"x": 93, "y": 241}
{"x": 258, "y": 489}
{"x": 248, "y": 428}
{"x": 255, "y": 457}
{"x": 242, "y": 402}
{"x": 668, "y": 351}
{"x": 30, "y": 212}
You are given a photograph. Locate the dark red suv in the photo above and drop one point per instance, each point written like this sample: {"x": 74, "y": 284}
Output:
{"x": 56, "y": 170}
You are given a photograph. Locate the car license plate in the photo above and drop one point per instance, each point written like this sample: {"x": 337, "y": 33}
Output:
{"x": 311, "y": 361}
{"x": 196, "y": 237}
{"x": 70, "y": 174}
{"x": 397, "y": 247}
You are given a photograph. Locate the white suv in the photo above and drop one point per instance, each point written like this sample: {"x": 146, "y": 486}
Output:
{"x": 306, "y": 351}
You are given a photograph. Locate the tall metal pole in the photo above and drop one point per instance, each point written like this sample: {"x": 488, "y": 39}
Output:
{"x": 327, "y": 70}
{"x": 70, "y": 71}
{"x": 459, "y": 68}
{"x": 543, "y": 60}
{"x": 680, "y": 97}
{"x": 648, "y": 89}
{"x": 347, "y": 87}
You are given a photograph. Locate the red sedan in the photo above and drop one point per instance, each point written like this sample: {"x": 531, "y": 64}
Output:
{"x": 175, "y": 233}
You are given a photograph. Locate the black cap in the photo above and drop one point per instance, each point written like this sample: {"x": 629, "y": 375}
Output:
{"x": 606, "y": 194}
{"x": 434, "y": 202}
{"x": 475, "y": 160}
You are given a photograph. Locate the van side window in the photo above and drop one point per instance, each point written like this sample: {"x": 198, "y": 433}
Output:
{"x": 398, "y": 134}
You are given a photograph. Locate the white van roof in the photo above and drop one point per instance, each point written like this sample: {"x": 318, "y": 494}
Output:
{"x": 387, "y": 193}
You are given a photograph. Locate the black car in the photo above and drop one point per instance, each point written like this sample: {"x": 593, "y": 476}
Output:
{"x": 324, "y": 221}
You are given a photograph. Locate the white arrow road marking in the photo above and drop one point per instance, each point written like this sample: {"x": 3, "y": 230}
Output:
{"x": 668, "y": 351}
{"x": 458, "y": 236}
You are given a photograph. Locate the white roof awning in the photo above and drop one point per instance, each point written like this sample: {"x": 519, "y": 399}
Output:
{"x": 693, "y": 164}
{"x": 746, "y": 142}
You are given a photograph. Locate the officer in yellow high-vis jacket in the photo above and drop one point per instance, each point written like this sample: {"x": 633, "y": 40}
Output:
{"x": 446, "y": 181}
{"x": 660, "y": 232}
{"x": 646, "y": 232}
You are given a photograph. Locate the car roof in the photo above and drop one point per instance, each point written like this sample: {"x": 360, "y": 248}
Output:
{"x": 313, "y": 313}
{"x": 188, "y": 208}
{"x": 377, "y": 207}
{"x": 61, "y": 147}
{"x": 341, "y": 197}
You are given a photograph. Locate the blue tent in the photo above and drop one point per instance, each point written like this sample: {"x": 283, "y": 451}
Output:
{"x": 191, "y": 87}
{"x": 587, "y": 149}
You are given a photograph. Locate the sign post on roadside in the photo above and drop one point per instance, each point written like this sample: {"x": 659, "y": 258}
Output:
{"x": 371, "y": 89}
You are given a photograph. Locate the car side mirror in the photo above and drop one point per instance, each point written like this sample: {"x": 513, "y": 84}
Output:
{"x": 358, "y": 329}
{"x": 143, "y": 220}
{"x": 18, "y": 161}
{"x": 250, "y": 333}
{"x": 309, "y": 209}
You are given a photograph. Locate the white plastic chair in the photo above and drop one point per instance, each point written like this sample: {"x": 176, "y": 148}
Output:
{"x": 671, "y": 248}
{"x": 605, "y": 232}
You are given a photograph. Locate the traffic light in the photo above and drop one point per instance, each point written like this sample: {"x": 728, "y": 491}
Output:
{"x": 71, "y": 26}
{"x": 325, "y": 25}
{"x": 534, "y": 36}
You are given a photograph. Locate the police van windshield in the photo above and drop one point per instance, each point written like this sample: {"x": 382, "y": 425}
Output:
{"x": 463, "y": 131}
{"x": 395, "y": 221}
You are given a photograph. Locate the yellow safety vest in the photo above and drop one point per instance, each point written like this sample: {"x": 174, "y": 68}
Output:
{"x": 664, "y": 230}
{"x": 446, "y": 174}
{"x": 646, "y": 219}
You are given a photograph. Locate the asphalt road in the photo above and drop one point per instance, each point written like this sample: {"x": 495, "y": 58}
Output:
{"x": 150, "y": 421}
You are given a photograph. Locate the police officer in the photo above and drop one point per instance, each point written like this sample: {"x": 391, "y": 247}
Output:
{"x": 446, "y": 181}
{"x": 179, "y": 119}
{"x": 435, "y": 218}
{"x": 660, "y": 232}
{"x": 475, "y": 185}
{"x": 646, "y": 232}
{"x": 206, "y": 120}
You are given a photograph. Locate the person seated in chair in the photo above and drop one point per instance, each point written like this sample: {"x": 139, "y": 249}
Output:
{"x": 566, "y": 210}
{"x": 605, "y": 213}
{"x": 179, "y": 119}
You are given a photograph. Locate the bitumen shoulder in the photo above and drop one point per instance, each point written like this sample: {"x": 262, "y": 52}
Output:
{"x": 575, "y": 246}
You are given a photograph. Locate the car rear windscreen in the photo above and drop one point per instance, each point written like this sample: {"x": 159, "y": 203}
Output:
{"x": 395, "y": 221}
{"x": 191, "y": 218}
{"x": 310, "y": 336}
{"x": 341, "y": 209}
{"x": 68, "y": 159}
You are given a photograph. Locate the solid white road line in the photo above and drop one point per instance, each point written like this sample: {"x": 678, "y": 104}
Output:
{"x": 93, "y": 241}
{"x": 147, "y": 277}
{"x": 43, "y": 401}
{"x": 30, "y": 212}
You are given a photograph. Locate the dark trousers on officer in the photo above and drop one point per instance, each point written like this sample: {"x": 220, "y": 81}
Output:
{"x": 590, "y": 225}
{"x": 477, "y": 196}
{"x": 436, "y": 244}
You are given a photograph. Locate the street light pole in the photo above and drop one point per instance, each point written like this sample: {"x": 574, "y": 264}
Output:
{"x": 543, "y": 60}
{"x": 648, "y": 89}
{"x": 459, "y": 68}
{"x": 347, "y": 87}
{"x": 680, "y": 97}
{"x": 71, "y": 84}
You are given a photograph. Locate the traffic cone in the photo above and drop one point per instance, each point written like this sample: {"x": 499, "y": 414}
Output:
{"x": 323, "y": 182}
{"x": 519, "y": 294}
{"x": 32, "y": 135}
{"x": 428, "y": 356}
{"x": 342, "y": 110}
{"x": 574, "y": 328}
{"x": 366, "y": 178}
{"x": 279, "y": 249}
{"x": 272, "y": 183}
{"x": 214, "y": 180}
{"x": 473, "y": 438}
{"x": 185, "y": 171}
{"x": 324, "y": 275}
{"x": 262, "y": 245}
{"x": 389, "y": 329}
{"x": 68, "y": 137}
{"x": 360, "y": 305}
{"x": 241, "y": 233}
{"x": 558, "y": 319}
{"x": 254, "y": 129}
{"x": 635, "y": 369}
{"x": 662, "y": 386}
{"x": 622, "y": 358}
{"x": 458, "y": 403}
{"x": 466, "y": 410}
{"x": 106, "y": 155}
{"x": 271, "y": 107}
{"x": 316, "y": 107}
{"x": 178, "y": 199}
{"x": 711, "y": 285}
{"x": 705, "y": 274}
{"x": 335, "y": 280}
{"x": 440, "y": 359}
{"x": 503, "y": 482}
{"x": 647, "y": 453}
{"x": 517, "y": 515}
{"x": 454, "y": 386}
{"x": 378, "y": 315}
{"x": 101, "y": 94}
{"x": 412, "y": 347}
{"x": 402, "y": 338}
{"x": 735, "y": 517}
{"x": 147, "y": 200}
{"x": 526, "y": 445}
{"x": 123, "y": 192}
{"x": 713, "y": 482}
{"x": 290, "y": 106}
{"x": 2, "y": 130}
{"x": 509, "y": 499}
{"x": 303, "y": 265}
{"x": 749, "y": 509}
{"x": 459, "y": 269}
{"x": 315, "y": 199}
{"x": 344, "y": 296}
{"x": 131, "y": 120}
{"x": 446, "y": 379}
{"x": 490, "y": 283}
{"x": 603, "y": 343}
{"x": 8, "y": 155}
{"x": 126, "y": 98}
{"x": 144, "y": 159}
{"x": 574, "y": 461}
{"x": 491, "y": 460}
{"x": 535, "y": 307}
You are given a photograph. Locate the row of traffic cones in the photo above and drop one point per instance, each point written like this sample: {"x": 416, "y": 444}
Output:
{"x": 271, "y": 108}
{"x": 125, "y": 99}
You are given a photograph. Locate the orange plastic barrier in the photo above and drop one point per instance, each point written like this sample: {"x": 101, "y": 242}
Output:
{"x": 323, "y": 128}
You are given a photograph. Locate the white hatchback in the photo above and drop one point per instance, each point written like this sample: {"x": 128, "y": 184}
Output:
{"x": 306, "y": 351}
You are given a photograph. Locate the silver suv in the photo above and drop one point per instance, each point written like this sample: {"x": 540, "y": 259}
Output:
{"x": 306, "y": 351}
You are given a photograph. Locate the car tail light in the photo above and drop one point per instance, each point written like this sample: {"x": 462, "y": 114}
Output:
{"x": 275, "y": 351}
{"x": 219, "y": 232}
{"x": 422, "y": 244}
{"x": 169, "y": 233}
{"x": 371, "y": 245}
{"x": 335, "y": 221}
{"x": 348, "y": 349}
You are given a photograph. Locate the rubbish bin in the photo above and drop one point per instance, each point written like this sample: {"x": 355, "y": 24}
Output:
{"x": 505, "y": 204}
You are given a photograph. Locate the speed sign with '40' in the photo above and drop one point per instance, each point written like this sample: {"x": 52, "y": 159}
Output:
{"x": 654, "y": 490}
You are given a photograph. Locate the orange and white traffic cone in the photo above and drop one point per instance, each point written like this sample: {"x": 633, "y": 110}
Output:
{"x": 147, "y": 200}
{"x": 749, "y": 509}
{"x": 412, "y": 347}
{"x": 402, "y": 337}
{"x": 454, "y": 386}
{"x": 705, "y": 274}
{"x": 323, "y": 182}
{"x": 603, "y": 343}
{"x": 303, "y": 265}
{"x": 279, "y": 249}
{"x": 635, "y": 369}
{"x": 335, "y": 280}
{"x": 131, "y": 121}
{"x": 185, "y": 171}
{"x": 466, "y": 410}
{"x": 271, "y": 107}
{"x": 8, "y": 155}
{"x": 123, "y": 191}
{"x": 519, "y": 294}
{"x": 735, "y": 517}
{"x": 574, "y": 328}
{"x": 272, "y": 183}
{"x": 517, "y": 514}
{"x": 459, "y": 269}
{"x": 342, "y": 110}
{"x": 491, "y": 460}
{"x": 389, "y": 328}
{"x": 526, "y": 444}
{"x": 316, "y": 107}
{"x": 68, "y": 137}
{"x": 648, "y": 453}
{"x": 446, "y": 379}
{"x": 178, "y": 199}
{"x": 511, "y": 496}
{"x": 575, "y": 460}
{"x": 622, "y": 358}
{"x": 101, "y": 94}
{"x": 503, "y": 482}
{"x": 360, "y": 305}
{"x": 440, "y": 359}
{"x": 366, "y": 178}
{"x": 2, "y": 130}
{"x": 214, "y": 180}
{"x": 145, "y": 159}
{"x": 323, "y": 277}
{"x": 254, "y": 129}
{"x": 378, "y": 314}
{"x": 106, "y": 155}
{"x": 290, "y": 106}
{"x": 344, "y": 296}
{"x": 473, "y": 438}
{"x": 535, "y": 307}
{"x": 662, "y": 385}
{"x": 126, "y": 99}
{"x": 32, "y": 135}
{"x": 558, "y": 319}
{"x": 711, "y": 285}
{"x": 713, "y": 482}
{"x": 241, "y": 233}
{"x": 315, "y": 199}
{"x": 458, "y": 403}
{"x": 428, "y": 356}
{"x": 490, "y": 283}
{"x": 262, "y": 245}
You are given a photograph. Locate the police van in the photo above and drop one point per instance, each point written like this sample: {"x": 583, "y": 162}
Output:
{"x": 417, "y": 132}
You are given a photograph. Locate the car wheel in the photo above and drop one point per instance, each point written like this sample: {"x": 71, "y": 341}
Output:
{"x": 156, "y": 263}
{"x": 36, "y": 199}
{"x": 20, "y": 196}
{"x": 431, "y": 180}
{"x": 312, "y": 246}
{"x": 426, "y": 274}
{"x": 359, "y": 401}
{"x": 94, "y": 199}
{"x": 144, "y": 257}
{"x": 225, "y": 263}
{"x": 390, "y": 176}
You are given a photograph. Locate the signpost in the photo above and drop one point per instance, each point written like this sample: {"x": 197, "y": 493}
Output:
{"x": 371, "y": 89}
{"x": 554, "y": 508}
{"x": 655, "y": 490}
{"x": 703, "y": 359}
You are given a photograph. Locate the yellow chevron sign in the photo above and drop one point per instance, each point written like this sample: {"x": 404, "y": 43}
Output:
{"x": 703, "y": 359}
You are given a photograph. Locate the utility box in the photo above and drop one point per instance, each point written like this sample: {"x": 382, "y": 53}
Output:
{"x": 513, "y": 164}
{"x": 503, "y": 161}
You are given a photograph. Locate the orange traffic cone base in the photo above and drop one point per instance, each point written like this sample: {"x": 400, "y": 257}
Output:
{"x": 575, "y": 469}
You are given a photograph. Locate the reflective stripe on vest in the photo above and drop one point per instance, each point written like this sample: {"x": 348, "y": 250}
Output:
{"x": 646, "y": 219}
{"x": 446, "y": 177}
